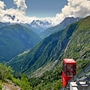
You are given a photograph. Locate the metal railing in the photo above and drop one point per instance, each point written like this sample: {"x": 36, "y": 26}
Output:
{"x": 81, "y": 76}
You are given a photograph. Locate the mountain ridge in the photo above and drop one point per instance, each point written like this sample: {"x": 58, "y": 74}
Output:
{"x": 16, "y": 37}
{"x": 61, "y": 26}
{"x": 46, "y": 50}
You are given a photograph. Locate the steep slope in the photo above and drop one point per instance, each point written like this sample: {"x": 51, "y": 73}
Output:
{"x": 78, "y": 48}
{"x": 79, "y": 43}
{"x": 67, "y": 21}
{"x": 15, "y": 39}
{"x": 73, "y": 42}
{"x": 46, "y": 51}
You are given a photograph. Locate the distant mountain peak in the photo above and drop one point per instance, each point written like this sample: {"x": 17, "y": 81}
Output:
{"x": 41, "y": 24}
{"x": 69, "y": 20}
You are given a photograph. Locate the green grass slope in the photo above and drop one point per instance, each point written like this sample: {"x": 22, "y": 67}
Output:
{"x": 79, "y": 43}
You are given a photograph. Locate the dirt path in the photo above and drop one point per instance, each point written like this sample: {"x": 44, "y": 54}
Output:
{"x": 8, "y": 86}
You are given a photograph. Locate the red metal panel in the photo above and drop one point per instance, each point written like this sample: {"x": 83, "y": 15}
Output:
{"x": 64, "y": 83}
{"x": 69, "y": 61}
{"x": 65, "y": 79}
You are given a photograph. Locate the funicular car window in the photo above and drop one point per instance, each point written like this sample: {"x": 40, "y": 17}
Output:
{"x": 70, "y": 70}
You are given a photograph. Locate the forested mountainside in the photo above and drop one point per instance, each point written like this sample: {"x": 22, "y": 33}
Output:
{"x": 73, "y": 42}
{"x": 43, "y": 62}
{"x": 78, "y": 46}
{"x": 15, "y": 39}
{"x": 67, "y": 21}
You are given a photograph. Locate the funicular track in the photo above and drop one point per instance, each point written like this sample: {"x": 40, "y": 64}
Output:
{"x": 84, "y": 75}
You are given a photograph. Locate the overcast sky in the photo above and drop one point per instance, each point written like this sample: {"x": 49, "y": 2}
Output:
{"x": 52, "y": 10}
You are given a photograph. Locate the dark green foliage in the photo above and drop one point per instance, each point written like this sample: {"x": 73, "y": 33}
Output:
{"x": 78, "y": 48}
{"x": 0, "y": 87}
{"x": 5, "y": 72}
{"x": 15, "y": 39}
{"x": 81, "y": 64}
{"x": 49, "y": 80}
{"x": 6, "y": 75}
{"x": 57, "y": 85}
{"x": 23, "y": 82}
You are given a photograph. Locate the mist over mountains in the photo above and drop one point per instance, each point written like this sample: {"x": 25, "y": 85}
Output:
{"x": 40, "y": 26}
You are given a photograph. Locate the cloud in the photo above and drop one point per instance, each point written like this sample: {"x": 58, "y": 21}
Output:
{"x": 74, "y": 8}
{"x": 77, "y": 8}
{"x": 18, "y": 12}
{"x": 21, "y": 5}
{"x": 19, "y": 16}
{"x": 2, "y": 5}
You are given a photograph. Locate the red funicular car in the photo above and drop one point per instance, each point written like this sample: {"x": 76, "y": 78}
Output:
{"x": 69, "y": 70}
